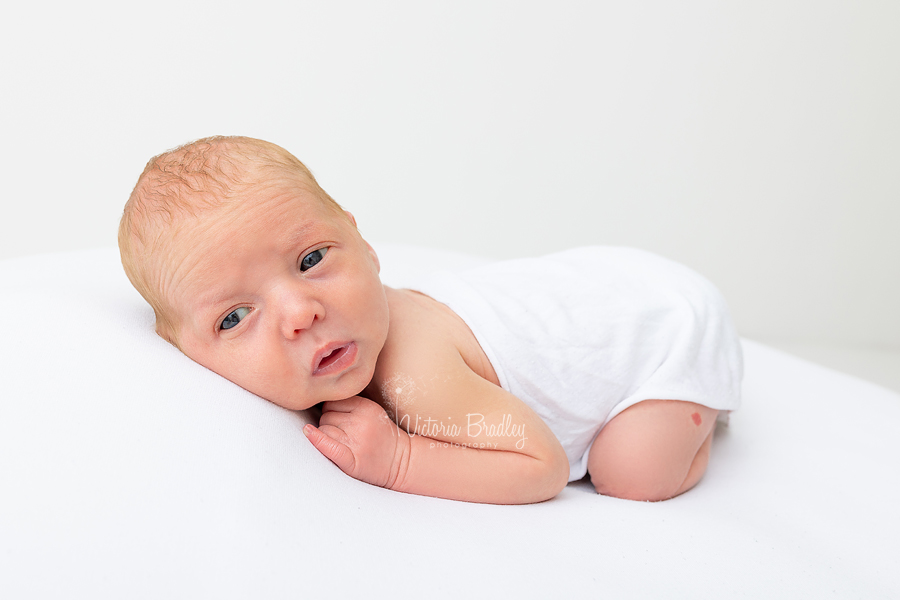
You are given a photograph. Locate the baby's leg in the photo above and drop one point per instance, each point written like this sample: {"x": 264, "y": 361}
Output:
{"x": 653, "y": 450}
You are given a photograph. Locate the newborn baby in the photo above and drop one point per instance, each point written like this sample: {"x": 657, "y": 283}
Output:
{"x": 496, "y": 385}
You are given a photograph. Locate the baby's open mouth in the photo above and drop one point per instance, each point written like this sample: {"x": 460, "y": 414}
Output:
{"x": 331, "y": 357}
{"x": 335, "y": 359}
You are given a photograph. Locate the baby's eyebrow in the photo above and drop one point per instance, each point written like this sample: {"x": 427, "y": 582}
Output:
{"x": 207, "y": 303}
{"x": 211, "y": 296}
{"x": 299, "y": 235}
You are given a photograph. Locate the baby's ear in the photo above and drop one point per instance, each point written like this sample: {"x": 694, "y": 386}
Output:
{"x": 368, "y": 245}
{"x": 374, "y": 256}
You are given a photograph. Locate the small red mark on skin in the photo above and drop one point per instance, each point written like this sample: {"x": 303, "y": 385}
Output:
{"x": 696, "y": 418}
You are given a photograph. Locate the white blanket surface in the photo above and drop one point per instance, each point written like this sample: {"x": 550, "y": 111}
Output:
{"x": 129, "y": 471}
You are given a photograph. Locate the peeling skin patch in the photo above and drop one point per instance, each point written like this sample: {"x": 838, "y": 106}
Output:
{"x": 696, "y": 418}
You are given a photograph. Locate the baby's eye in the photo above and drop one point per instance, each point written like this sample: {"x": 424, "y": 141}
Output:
{"x": 312, "y": 259}
{"x": 234, "y": 317}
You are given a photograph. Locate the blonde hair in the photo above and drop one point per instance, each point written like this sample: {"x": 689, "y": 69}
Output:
{"x": 185, "y": 182}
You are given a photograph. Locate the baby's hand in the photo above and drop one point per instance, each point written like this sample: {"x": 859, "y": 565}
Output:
{"x": 357, "y": 435}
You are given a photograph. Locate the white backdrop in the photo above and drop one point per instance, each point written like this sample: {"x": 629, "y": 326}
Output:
{"x": 756, "y": 141}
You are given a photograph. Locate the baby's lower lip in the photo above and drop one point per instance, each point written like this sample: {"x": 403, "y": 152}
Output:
{"x": 338, "y": 360}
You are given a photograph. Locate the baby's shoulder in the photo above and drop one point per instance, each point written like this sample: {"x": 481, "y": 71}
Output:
{"x": 426, "y": 340}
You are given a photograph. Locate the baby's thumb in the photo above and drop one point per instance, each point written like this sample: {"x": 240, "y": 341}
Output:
{"x": 332, "y": 449}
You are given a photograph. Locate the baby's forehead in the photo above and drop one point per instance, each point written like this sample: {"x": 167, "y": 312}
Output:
{"x": 276, "y": 219}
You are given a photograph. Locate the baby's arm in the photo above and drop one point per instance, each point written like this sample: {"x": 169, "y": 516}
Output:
{"x": 501, "y": 452}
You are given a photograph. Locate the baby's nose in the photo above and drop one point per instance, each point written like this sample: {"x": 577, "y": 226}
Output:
{"x": 298, "y": 313}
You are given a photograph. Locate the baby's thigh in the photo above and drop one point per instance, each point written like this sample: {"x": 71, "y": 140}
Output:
{"x": 653, "y": 450}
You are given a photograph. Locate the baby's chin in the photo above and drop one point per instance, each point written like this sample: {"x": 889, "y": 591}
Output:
{"x": 307, "y": 403}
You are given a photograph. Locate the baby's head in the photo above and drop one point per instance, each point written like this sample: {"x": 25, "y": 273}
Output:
{"x": 254, "y": 271}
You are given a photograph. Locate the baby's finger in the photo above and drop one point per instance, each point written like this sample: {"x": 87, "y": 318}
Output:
{"x": 330, "y": 448}
{"x": 341, "y": 420}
